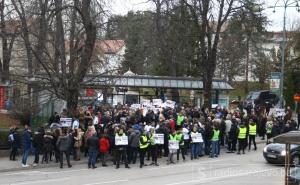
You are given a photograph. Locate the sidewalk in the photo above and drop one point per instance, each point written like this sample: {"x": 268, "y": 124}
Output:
{"x": 6, "y": 165}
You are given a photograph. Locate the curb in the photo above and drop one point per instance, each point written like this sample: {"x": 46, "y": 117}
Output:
{"x": 41, "y": 166}
{"x": 84, "y": 161}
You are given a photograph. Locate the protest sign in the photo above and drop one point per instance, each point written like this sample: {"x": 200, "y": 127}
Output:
{"x": 279, "y": 112}
{"x": 157, "y": 102}
{"x": 66, "y": 122}
{"x": 159, "y": 139}
{"x": 146, "y": 103}
{"x": 170, "y": 104}
{"x": 197, "y": 138}
{"x": 173, "y": 145}
{"x": 121, "y": 140}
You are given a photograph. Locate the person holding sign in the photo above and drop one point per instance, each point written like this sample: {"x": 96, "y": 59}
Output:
{"x": 153, "y": 147}
{"x": 173, "y": 147}
{"x": 179, "y": 138}
{"x": 144, "y": 143}
{"x": 121, "y": 148}
{"x": 196, "y": 138}
{"x": 215, "y": 142}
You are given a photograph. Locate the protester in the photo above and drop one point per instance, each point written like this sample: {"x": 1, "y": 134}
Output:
{"x": 92, "y": 144}
{"x": 63, "y": 144}
{"x": 15, "y": 143}
{"x": 26, "y": 145}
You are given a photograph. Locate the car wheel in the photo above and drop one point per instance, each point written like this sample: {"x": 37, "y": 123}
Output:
{"x": 296, "y": 160}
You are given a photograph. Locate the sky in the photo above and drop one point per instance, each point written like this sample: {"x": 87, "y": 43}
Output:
{"x": 276, "y": 19}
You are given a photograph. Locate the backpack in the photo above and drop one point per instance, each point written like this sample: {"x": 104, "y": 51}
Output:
{"x": 11, "y": 138}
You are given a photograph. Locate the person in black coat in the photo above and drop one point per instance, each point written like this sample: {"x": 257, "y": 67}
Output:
{"x": 232, "y": 134}
{"x": 15, "y": 144}
{"x": 47, "y": 146}
{"x": 38, "y": 140}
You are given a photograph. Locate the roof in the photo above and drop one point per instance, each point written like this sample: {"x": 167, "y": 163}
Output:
{"x": 109, "y": 46}
{"x": 13, "y": 26}
{"x": 102, "y": 46}
{"x": 292, "y": 137}
{"x": 144, "y": 81}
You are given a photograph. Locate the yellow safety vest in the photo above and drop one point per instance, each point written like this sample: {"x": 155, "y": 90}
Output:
{"x": 216, "y": 135}
{"x": 152, "y": 141}
{"x": 172, "y": 138}
{"x": 252, "y": 130}
{"x": 145, "y": 143}
{"x": 179, "y": 137}
{"x": 242, "y": 133}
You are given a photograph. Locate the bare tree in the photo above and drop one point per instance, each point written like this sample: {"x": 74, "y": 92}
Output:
{"x": 8, "y": 34}
{"x": 61, "y": 42}
{"x": 209, "y": 17}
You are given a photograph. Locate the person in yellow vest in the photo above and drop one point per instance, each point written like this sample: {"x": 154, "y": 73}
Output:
{"x": 179, "y": 137}
{"x": 242, "y": 135}
{"x": 144, "y": 143}
{"x": 153, "y": 147}
{"x": 172, "y": 137}
{"x": 252, "y": 134}
{"x": 215, "y": 142}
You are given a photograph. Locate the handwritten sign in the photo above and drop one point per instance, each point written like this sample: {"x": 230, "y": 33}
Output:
{"x": 159, "y": 139}
{"x": 173, "y": 145}
{"x": 121, "y": 140}
{"x": 197, "y": 138}
{"x": 170, "y": 104}
{"x": 66, "y": 122}
{"x": 157, "y": 102}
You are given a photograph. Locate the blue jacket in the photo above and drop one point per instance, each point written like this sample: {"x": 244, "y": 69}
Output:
{"x": 26, "y": 139}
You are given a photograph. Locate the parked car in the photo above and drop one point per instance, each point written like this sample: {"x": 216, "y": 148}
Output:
{"x": 260, "y": 98}
{"x": 294, "y": 177}
{"x": 275, "y": 153}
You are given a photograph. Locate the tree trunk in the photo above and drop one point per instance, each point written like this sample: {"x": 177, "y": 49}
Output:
{"x": 72, "y": 101}
{"x": 207, "y": 88}
{"x": 247, "y": 66}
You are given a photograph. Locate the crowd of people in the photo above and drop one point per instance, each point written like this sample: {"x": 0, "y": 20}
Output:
{"x": 198, "y": 132}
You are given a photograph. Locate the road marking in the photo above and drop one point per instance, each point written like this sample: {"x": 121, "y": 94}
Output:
{"x": 40, "y": 181}
{"x": 220, "y": 177}
{"x": 25, "y": 172}
{"x": 187, "y": 164}
{"x": 108, "y": 182}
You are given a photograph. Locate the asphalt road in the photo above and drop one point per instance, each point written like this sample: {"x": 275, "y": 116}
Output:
{"x": 248, "y": 169}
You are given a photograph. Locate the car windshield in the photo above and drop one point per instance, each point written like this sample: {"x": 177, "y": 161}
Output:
{"x": 295, "y": 173}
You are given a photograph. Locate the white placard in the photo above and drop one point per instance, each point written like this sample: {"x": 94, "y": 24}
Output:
{"x": 157, "y": 102}
{"x": 146, "y": 103}
{"x": 135, "y": 106}
{"x": 279, "y": 112}
{"x": 159, "y": 139}
{"x": 197, "y": 138}
{"x": 121, "y": 140}
{"x": 173, "y": 145}
{"x": 170, "y": 104}
{"x": 66, "y": 122}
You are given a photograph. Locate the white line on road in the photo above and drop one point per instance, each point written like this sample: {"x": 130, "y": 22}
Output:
{"x": 40, "y": 181}
{"x": 108, "y": 182}
{"x": 220, "y": 177}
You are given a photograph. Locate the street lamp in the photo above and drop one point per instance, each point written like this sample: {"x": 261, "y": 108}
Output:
{"x": 286, "y": 4}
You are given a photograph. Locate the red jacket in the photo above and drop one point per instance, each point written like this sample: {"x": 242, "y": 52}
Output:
{"x": 172, "y": 124}
{"x": 103, "y": 145}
